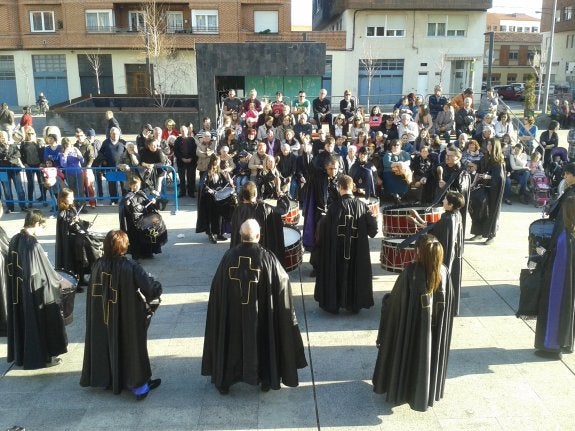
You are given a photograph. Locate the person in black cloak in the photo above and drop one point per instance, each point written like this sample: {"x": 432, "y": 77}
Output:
{"x": 271, "y": 227}
{"x": 555, "y": 212}
{"x": 133, "y": 208}
{"x": 252, "y": 334}
{"x": 344, "y": 266}
{"x": 321, "y": 193}
{"x": 117, "y": 309}
{"x": 304, "y": 173}
{"x": 415, "y": 331}
{"x": 554, "y": 333}
{"x": 36, "y": 332}
{"x": 74, "y": 251}
{"x": 211, "y": 212}
{"x": 485, "y": 204}
{"x": 452, "y": 175}
{"x": 4, "y": 243}
{"x": 449, "y": 232}
{"x": 364, "y": 174}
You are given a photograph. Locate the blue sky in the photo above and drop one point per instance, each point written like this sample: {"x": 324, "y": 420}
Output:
{"x": 301, "y": 9}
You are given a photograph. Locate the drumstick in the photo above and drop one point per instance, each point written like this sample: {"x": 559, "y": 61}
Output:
{"x": 93, "y": 221}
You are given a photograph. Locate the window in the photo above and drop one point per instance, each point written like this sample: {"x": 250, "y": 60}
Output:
{"x": 451, "y": 26}
{"x": 503, "y": 28}
{"x": 511, "y": 77}
{"x": 520, "y": 29}
{"x": 49, "y": 63}
{"x": 388, "y": 26}
{"x": 568, "y": 13}
{"x": 41, "y": 21}
{"x": 375, "y": 31}
{"x": 99, "y": 21}
{"x": 436, "y": 25}
{"x": 512, "y": 28}
{"x": 174, "y": 22}
{"x": 205, "y": 21}
{"x": 266, "y": 21}
{"x": 534, "y": 29}
{"x": 136, "y": 20}
{"x": 513, "y": 55}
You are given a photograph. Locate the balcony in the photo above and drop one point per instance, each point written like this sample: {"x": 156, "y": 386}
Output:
{"x": 169, "y": 30}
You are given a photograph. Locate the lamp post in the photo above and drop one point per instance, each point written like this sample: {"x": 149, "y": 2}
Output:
{"x": 549, "y": 58}
{"x": 490, "y": 58}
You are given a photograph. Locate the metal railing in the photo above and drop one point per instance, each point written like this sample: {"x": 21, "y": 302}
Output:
{"x": 18, "y": 187}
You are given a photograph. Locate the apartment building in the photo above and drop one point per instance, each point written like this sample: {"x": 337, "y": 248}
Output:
{"x": 396, "y": 47}
{"x": 145, "y": 46}
{"x": 516, "y": 50}
{"x": 563, "y": 64}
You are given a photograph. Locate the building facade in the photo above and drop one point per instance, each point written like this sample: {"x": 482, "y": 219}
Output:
{"x": 563, "y": 64}
{"x": 393, "y": 49}
{"x": 68, "y": 49}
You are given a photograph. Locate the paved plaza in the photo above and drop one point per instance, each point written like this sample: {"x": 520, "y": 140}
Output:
{"x": 494, "y": 380}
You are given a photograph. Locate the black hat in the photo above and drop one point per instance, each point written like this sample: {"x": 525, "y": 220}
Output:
{"x": 244, "y": 153}
{"x": 148, "y": 127}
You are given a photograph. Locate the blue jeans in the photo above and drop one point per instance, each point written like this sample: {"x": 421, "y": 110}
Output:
{"x": 13, "y": 176}
{"x": 240, "y": 180}
{"x": 522, "y": 177}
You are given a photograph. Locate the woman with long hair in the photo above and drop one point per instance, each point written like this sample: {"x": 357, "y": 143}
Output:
{"x": 485, "y": 199}
{"x": 211, "y": 209}
{"x": 415, "y": 331}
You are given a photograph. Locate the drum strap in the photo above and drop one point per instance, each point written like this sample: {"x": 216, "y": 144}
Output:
{"x": 409, "y": 240}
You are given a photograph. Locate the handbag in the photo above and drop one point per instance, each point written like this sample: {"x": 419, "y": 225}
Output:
{"x": 530, "y": 284}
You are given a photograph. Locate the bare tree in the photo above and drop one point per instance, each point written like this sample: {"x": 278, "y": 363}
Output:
{"x": 441, "y": 64}
{"x": 371, "y": 66}
{"x": 95, "y": 61}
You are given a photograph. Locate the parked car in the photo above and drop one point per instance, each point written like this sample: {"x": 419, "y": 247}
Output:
{"x": 509, "y": 92}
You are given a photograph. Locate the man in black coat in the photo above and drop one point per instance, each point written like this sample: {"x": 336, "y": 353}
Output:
{"x": 185, "y": 152}
{"x": 252, "y": 334}
{"x": 344, "y": 266}
{"x": 36, "y": 333}
{"x": 111, "y": 153}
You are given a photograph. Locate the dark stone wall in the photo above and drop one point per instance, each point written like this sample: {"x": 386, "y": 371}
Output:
{"x": 263, "y": 59}
{"x": 130, "y": 121}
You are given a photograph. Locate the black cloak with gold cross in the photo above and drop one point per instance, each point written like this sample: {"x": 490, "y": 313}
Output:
{"x": 35, "y": 325}
{"x": 252, "y": 334}
{"x": 115, "y": 350}
{"x": 344, "y": 266}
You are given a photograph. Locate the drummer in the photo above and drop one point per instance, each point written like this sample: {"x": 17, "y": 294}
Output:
{"x": 364, "y": 175}
{"x": 271, "y": 229}
{"x": 555, "y": 211}
{"x": 132, "y": 209}
{"x": 70, "y": 238}
{"x": 36, "y": 333}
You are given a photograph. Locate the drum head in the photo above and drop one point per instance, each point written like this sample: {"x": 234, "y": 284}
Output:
{"x": 291, "y": 236}
{"x": 69, "y": 280}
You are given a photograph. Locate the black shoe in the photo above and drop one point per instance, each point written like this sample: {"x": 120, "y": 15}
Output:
{"x": 163, "y": 203}
{"x": 53, "y": 362}
{"x": 9, "y": 211}
{"x": 212, "y": 239}
{"x": 265, "y": 387}
{"x": 79, "y": 288}
{"x": 154, "y": 383}
{"x": 182, "y": 195}
{"x": 192, "y": 195}
{"x": 508, "y": 201}
{"x": 142, "y": 396}
{"x": 221, "y": 238}
{"x": 224, "y": 390}
{"x": 556, "y": 356}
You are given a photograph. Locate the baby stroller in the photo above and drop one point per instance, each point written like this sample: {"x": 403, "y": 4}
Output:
{"x": 540, "y": 189}
{"x": 557, "y": 159}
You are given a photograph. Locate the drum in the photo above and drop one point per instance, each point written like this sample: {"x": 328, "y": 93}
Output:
{"x": 293, "y": 248}
{"x": 373, "y": 205}
{"x": 153, "y": 229}
{"x": 540, "y": 235}
{"x": 224, "y": 194}
{"x": 68, "y": 285}
{"x": 395, "y": 259}
{"x": 396, "y": 219}
{"x": 94, "y": 242}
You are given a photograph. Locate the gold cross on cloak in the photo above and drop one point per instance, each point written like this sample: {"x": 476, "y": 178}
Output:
{"x": 98, "y": 291}
{"x": 348, "y": 231}
{"x": 18, "y": 276}
{"x": 244, "y": 273}
{"x": 153, "y": 234}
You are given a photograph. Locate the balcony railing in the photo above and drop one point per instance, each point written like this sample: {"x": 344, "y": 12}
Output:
{"x": 171, "y": 30}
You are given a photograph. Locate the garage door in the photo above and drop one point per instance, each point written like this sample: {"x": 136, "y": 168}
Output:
{"x": 386, "y": 81}
{"x": 8, "y": 91}
{"x": 50, "y": 77}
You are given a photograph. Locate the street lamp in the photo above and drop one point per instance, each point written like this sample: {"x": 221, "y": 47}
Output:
{"x": 549, "y": 58}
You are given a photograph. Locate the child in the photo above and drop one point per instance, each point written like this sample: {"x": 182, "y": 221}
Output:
{"x": 536, "y": 165}
{"x": 242, "y": 171}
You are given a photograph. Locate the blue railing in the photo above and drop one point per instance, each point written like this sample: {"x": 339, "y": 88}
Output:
{"x": 12, "y": 180}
